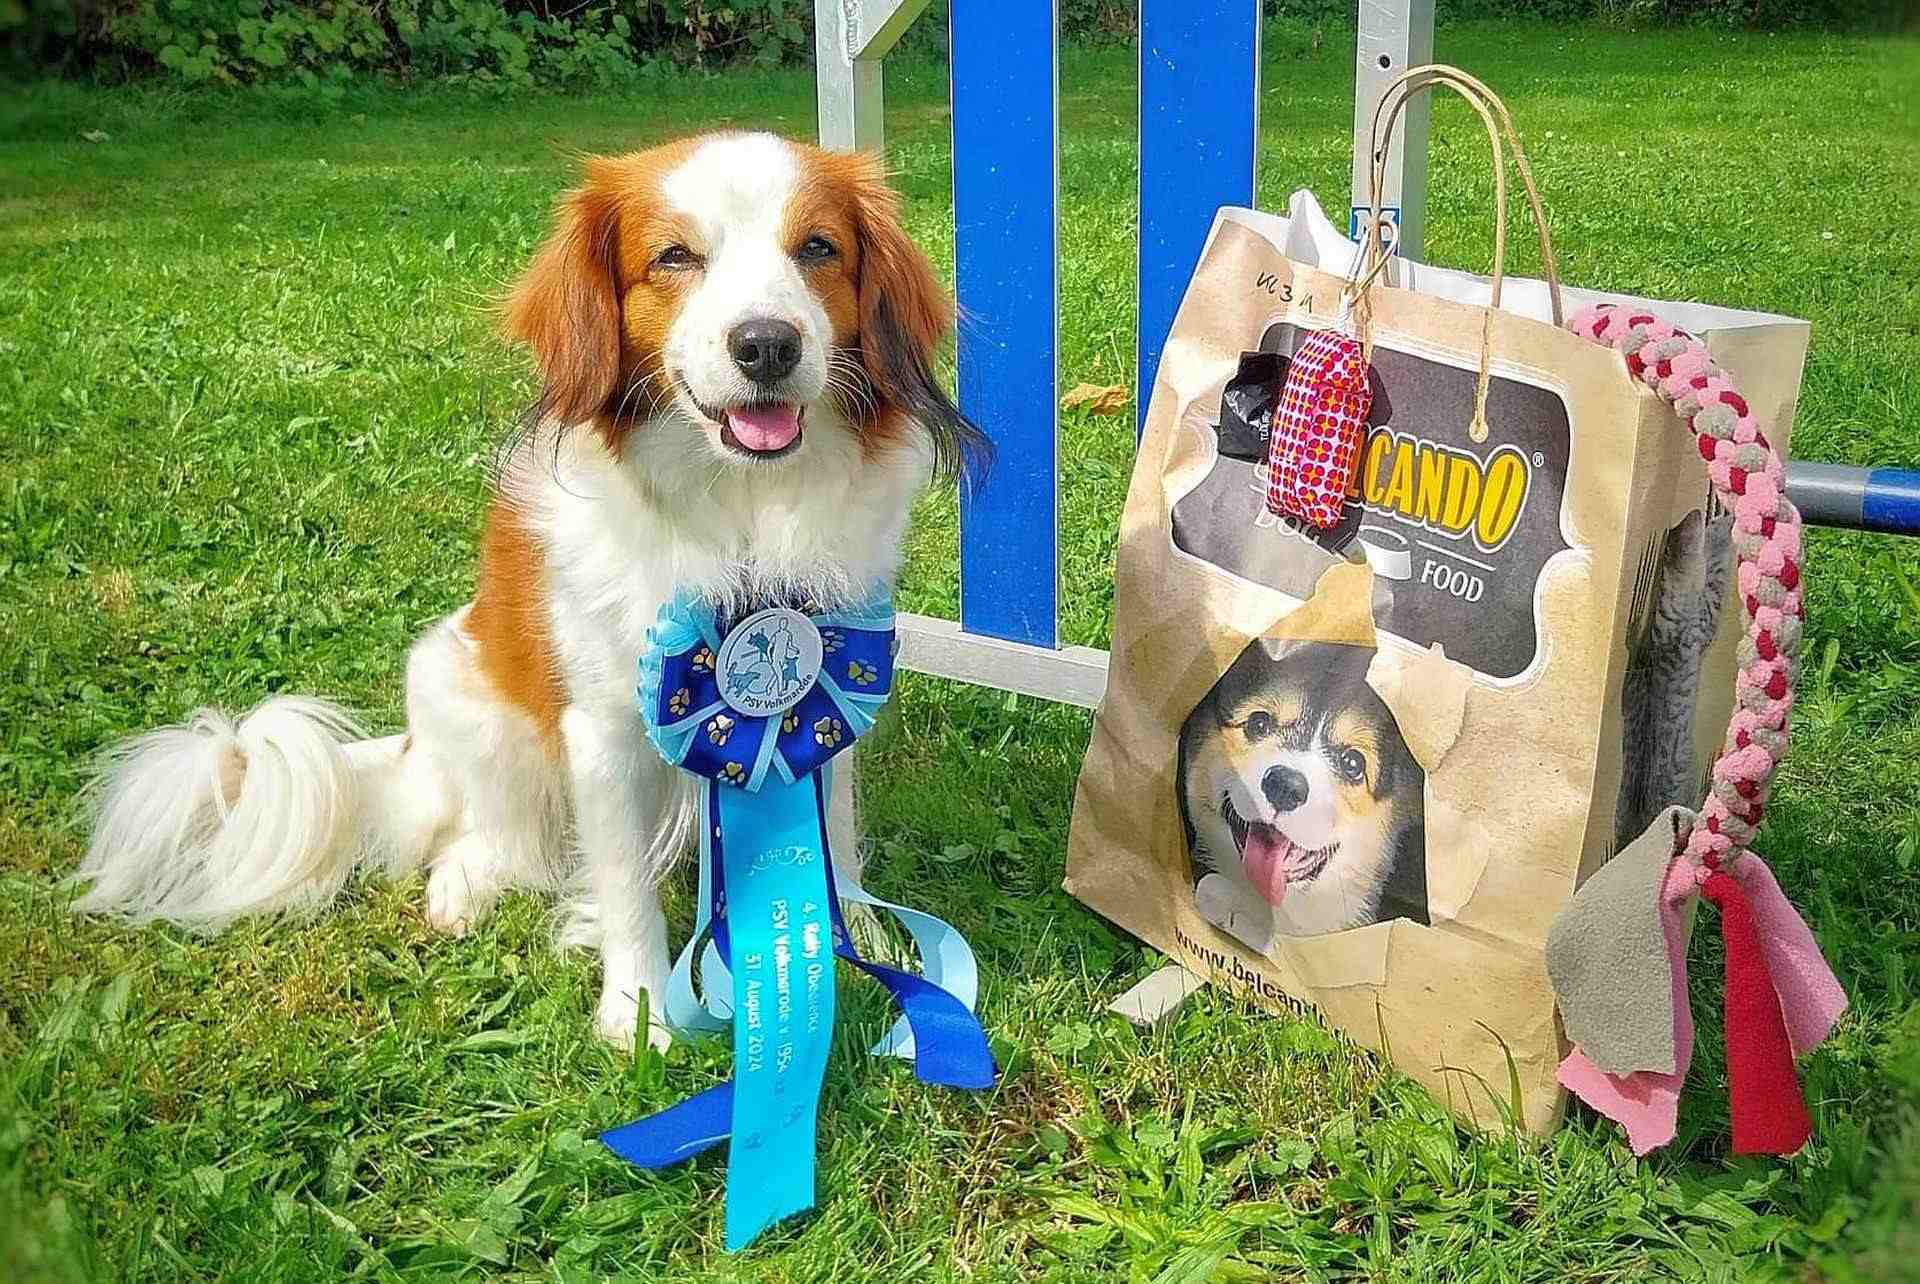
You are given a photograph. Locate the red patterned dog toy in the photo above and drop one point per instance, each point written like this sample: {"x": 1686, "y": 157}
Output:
{"x": 1318, "y": 427}
{"x": 1782, "y": 998}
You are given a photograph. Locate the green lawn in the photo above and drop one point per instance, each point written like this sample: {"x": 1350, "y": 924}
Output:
{"x": 247, "y": 393}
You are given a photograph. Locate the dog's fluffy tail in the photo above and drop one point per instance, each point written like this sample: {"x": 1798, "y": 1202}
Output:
{"x": 205, "y": 822}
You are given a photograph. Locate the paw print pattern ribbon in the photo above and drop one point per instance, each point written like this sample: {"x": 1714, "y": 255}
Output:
{"x": 692, "y": 686}
{"x": 1318, "y": 428}
{"x": 757, "y": 711}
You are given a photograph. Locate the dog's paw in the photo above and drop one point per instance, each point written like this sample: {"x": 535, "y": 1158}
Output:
{"x": 461, "y": 889}
{"x": 618, "y": 1021}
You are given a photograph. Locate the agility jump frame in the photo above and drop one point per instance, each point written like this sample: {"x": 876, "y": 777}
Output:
{"x": 1198, "y": 58}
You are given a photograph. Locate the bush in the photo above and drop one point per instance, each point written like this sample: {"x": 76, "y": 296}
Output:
{"x": 38, "y": 35}
{"x": 1763, "y": 15}
{"x": 510, "y": 42}
{"x": 558, "y": 42}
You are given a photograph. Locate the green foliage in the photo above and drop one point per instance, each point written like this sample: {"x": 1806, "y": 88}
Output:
{"x": 37, "y": 35}
{"x": 203, "y": 40}
{"x": 1108, "y": 19}
{"x": 484, "y": 42}
{"x": 601, "y": 43}
{"x": 1758, "y": 15}
{"x": 1097, "y": 18}
{"x": 1111, "y": 19}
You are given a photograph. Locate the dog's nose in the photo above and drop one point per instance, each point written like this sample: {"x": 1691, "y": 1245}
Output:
{"x": 1284, "y": 787}
{"x": 766, "y": 350}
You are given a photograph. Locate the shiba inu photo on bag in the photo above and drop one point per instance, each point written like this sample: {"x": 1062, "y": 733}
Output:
{"x": 1302, "y": 803}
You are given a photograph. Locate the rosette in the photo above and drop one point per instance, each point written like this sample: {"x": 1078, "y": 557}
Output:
{"x": 757, "y": 708}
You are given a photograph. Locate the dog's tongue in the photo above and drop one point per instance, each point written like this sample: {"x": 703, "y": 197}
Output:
{"x": 1266, "y": 861}
{"x": 768, "y": 427}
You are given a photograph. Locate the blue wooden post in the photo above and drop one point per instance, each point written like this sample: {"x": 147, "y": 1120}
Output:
{"x": 1005, "y": 201}
{"x": 1199, "y": 131}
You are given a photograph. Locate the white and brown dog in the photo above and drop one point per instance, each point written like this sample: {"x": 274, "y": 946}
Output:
{"x": 736, "y": 342}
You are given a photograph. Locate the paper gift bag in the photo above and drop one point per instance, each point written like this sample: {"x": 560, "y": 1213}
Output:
{"x": 1364, "y": 767}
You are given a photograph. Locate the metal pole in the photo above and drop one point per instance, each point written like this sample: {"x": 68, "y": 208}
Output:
{"x": 1883, "y": 500}
{"x": 1393, "y": 36}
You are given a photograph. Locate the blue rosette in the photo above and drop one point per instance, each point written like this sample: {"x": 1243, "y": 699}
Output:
{"x": 758, "y": 707}
{"x": 694, "y": 726}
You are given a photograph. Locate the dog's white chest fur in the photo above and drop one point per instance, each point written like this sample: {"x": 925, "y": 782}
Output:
{"x": 622, "y": 535}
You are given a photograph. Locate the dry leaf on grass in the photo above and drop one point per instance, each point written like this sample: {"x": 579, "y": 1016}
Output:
{"x": 1097, "y": 399}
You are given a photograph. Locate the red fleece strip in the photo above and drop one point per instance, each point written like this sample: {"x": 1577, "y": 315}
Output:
{"x": 1769, "y": 1115}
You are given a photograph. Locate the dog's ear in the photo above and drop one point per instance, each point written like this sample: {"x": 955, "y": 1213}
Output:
{"x": 566, "y": 307}
{"x": 905, "y": 318}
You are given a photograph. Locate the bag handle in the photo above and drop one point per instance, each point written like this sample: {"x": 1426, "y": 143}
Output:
{"x": 1374, "y": 250}
{"x": 1492, "y": 109}
{"x": 1374, "y": 254}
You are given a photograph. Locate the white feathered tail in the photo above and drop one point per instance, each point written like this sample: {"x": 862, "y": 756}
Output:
{"x": 211, "y": 820}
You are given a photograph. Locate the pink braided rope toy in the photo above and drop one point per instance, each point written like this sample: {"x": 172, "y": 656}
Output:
{"x": 1750, "y": 479}
{"x": 1781, "y": 997}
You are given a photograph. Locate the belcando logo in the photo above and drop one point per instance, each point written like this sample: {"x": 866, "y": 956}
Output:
{"x": 1457, "y": 532}
{"x": 1443, "y": 489}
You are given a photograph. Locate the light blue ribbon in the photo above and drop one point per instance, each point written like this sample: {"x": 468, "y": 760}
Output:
{"x": 945, "y": 959}
{"x": 781, "y": 936}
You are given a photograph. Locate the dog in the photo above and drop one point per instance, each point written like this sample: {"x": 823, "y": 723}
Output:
{"x": 1303, "y": 806}
{"x": 736, "y": 344}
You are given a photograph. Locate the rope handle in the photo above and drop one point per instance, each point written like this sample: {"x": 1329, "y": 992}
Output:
{"x": 1750, "y": 479}
{"x": 1375, "y": 255}
{"x": 1374, "y": 252}
{"x": 1498, "y": 120}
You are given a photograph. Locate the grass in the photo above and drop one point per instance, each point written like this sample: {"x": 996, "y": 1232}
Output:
{"x": 248, "y": 390}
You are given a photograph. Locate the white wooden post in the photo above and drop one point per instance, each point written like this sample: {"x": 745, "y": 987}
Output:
{"x": 1393, "y": 36}
{"x": 850, "y": 37}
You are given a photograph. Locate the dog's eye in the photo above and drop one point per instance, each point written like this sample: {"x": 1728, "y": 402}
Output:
{"x": 1259, "y": 726}
{"x": 815, "y": 249}
{"x": 677, "y": 258}
{"x": 1353, "y": 765}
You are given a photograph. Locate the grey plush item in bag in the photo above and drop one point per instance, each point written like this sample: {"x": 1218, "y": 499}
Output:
{"x": 1688, "y": 586}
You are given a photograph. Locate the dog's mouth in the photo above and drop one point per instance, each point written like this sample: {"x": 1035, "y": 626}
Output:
{"x": 1274, "y": 862}
{"x": 758, "y": 430}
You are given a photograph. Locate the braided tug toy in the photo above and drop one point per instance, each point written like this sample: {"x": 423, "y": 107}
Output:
{"x": 1629, "y": 922}
{"x": 758, "y": 712}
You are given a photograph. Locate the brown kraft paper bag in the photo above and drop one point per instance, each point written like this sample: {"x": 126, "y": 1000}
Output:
{"x": 1365, "y": 768}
